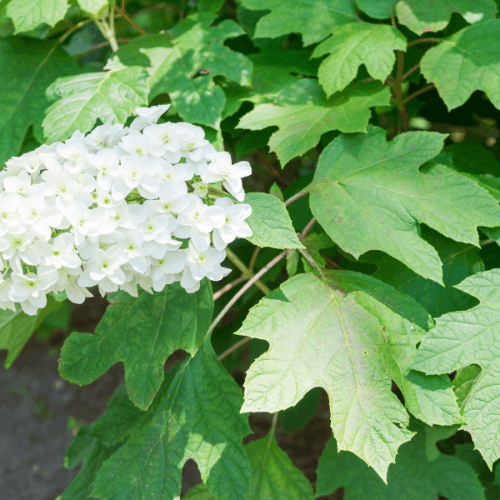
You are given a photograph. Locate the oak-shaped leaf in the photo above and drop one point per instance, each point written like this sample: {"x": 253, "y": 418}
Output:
{"x": 184, "y": 63}
{"x": 29, "y": 66}
{"x": 414, "y": 476}
{"x": 472, "y": 337}
{"x": 28, "y": 14}
{"x": 195, "y": 416}
{"x": 314, "y": 19}
{"x": 142, "y": 332}
{"x": 302, "y": 113}
{"x": 321, "y": 335}
{"x": 353, "y": 45}
{"x": 466, "y": 61}
{"x": 434, "y": 15}
{"x": 369, "y": 194}
{"x": 111, "y": 96}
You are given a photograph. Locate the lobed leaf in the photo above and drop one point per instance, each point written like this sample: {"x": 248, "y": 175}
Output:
{"x": 142, "y": 332}
{"x": 303, "y": 114}
{"x": 369, "y": 194}
{"x": 471, "y": 337}
{"x": 353, "y": 45}
{"x": 196, "y": 416}
{"x": 109, "y": 96}
{"x": 468, "y": 60}
{"x": 28, "y": 14}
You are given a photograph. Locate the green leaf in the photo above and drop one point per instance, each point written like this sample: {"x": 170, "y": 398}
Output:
{"x": 270, "y": 222}
{"x": 28, "y": 68}
{"x": 142, "y": 332}
{"x": 404, "y": 323}
{"x": 471, "y": 337}
{"x": 28, "y": 14}
{"x": 185, "y": 63}
{"x": 109, "y": 96}
{"x": 376, "y": 198}
{"x": 93, "y": 6}
{"x": 434, "y": 15}
{"x": 473, "y": 158}
{"x": 303, "y": 114}
{"x": 381, "y": 9}
{"x": 464, "y": 381}
{"x": 465, "y": 62}
{"x": 459, "y": 262}
{"x": 275, "y": 190}
{"x": 17, "y": 327}
{"x": 320, "y": 336}
{"x": 292, "y": 262}
{"x": 314, "y": 19}
{"x": 353, "y": 45}
{"x": 412, "y": 477}
{"x": 197, "y": 416}
{"x": 274, "y": 477}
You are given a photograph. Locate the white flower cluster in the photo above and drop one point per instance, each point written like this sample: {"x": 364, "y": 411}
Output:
{"x": 117, "y": 208}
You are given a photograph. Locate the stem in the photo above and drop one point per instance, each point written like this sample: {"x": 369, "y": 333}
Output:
{"x": 423, "y": 40}
{"x": 100, "y": 46}
{"x": 308, "y": 227}
{"x": 233, "y": 348}
{"x": 253, "y": 260}
{"x": 228, "y": 287}
{"x": 296, "y": 196}
{"x": 126, "y": 17}
{"x": 245, "y": 271}
{"x": 244, "y": 288}
{"x": 403, "y": 115}
{"x": 410, "y": 71}
{"x": 418, "y": 92}
{"x": 75, "y": 28}
{"x": 311, "y": 261}
{"x": 487, "y": 242}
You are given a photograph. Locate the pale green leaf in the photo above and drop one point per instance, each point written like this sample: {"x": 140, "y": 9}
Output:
{"x": 199, "y": 492}
{"x": 404, "y": 322}
{"x": 274, "y": 477}
{"x": 321, "y": 337}
{"x": 413, "y": 477}
{"x": 270, "y": 222}
{"x": 353, "y": 45}
{"x": 28, "y": 67}
{"x": 467, "y": 61}
{"x": 28, "y": 14}
{"x": 17, "y": 327}
{"x": 93, "y": 6}
{"x": 195, "y": 417}
{"x": 471, "y": 337}
{"x": 303, "y": 114}
{"x": 369, "y": 194}
{"x": 142, "y": 332}
{"x": 434, "y": 15}
{"x": 314, "y": 19}
{"x": 185, "y": 63}
{"x": 109, "y": 96}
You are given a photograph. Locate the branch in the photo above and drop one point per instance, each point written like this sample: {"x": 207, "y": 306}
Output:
{"x": 247, "y": 273}
{"x": 228, "y": 287}
{"x": 424, "y": 40}
{"x": 233, "y": 348}
{"x": 296, "y": 196}
{"x": 418, "y": 92}
{"x": 410, "y": 71}
{"x": 125, "y": 16}
{"x": 244, "y": 288}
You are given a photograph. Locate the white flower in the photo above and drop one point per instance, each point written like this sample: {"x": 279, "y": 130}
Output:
{"x": 201, "y": 264}
{"x": 29, "y": 289}
{"x": 135, "y": 172}
{"x": 163, "y": 138}
{"x": 234, "y": 223}
{"x": 62, "y": 252}
{"x": 75, "y": 155}
{"x": 41, "y": 218}
{"x": 104, "y": 162}
{"x": 148, "y": 116}
{"x": 135, "y": 143}
{"x": 222, "y": 169}
{"x": 19, "y": 184}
